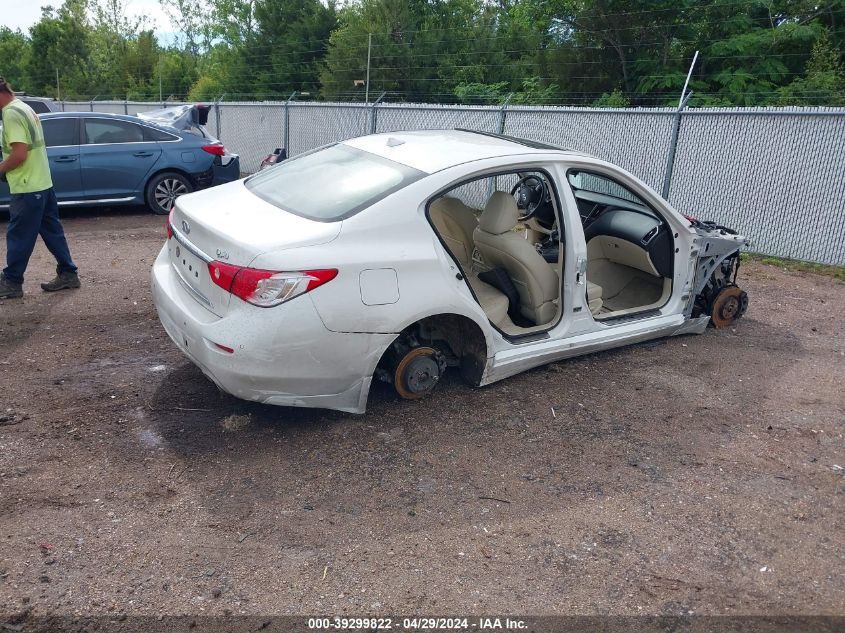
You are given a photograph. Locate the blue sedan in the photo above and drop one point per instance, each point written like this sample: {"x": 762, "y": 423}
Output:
{"x": 111, "y": 159}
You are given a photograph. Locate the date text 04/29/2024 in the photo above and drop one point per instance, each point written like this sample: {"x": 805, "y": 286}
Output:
{"x": 418, "y": 624}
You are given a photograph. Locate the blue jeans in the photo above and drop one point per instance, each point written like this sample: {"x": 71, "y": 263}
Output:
{"x": 31, "y": 215}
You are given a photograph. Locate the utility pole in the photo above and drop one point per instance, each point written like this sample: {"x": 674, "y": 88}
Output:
{"x": 369, "y": 51}
{"x": 58, "y": 94}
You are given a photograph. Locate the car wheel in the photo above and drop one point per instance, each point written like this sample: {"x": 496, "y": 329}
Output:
{"x": 417, "y": 372}
{"x": 163, "y": 189}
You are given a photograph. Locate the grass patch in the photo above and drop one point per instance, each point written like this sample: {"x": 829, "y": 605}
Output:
{"x": 794, "y": 265}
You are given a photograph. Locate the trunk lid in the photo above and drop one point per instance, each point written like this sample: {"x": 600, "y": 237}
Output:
{"x": 229, "y": 224}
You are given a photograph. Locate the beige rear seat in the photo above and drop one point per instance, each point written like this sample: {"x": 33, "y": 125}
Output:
{"x": 493, "y": 302}
{"x": 455, "y": 223}
{"x": 594, "y": 299}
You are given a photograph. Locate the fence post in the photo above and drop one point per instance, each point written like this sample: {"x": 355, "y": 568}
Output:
{"x": 374, "y": 113}
{"x": 286, "y": 138}
{"x": 673, "y": 145}
{"x": 217, "y": 116}
{"x": 503, "y": 113}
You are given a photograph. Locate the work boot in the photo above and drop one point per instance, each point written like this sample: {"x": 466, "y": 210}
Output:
{"x": 63, "y": 281}
{"x": 9, "y": 289}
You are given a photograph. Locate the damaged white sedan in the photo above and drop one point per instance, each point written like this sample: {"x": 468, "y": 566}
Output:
{"x": 401, "y": 256}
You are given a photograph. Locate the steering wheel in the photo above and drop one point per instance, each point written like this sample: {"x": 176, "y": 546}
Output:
{"x": 530, "y": 193}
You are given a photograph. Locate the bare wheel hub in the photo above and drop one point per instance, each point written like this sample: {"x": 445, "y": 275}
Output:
{"x": 417, "y": 373}
{"x": 729, "y": 305}
{"x": 421, "y": 375}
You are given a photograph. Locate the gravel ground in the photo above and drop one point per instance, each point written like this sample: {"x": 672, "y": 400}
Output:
{"x": 697, "y": 474}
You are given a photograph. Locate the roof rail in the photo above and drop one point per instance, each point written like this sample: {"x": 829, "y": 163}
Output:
{"x": 516, "y": 139}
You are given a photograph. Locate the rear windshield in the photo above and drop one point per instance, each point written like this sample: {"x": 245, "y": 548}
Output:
{"x": 332, "y": 183}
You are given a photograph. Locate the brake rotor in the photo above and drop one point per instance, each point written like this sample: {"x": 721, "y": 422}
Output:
{"x": 729, "y": 305}
{"x": 417, "y": 373}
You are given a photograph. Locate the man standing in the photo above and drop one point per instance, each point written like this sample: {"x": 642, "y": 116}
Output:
{"x": 33, "y": 209}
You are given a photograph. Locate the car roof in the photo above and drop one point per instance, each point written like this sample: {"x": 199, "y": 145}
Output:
{"x": 104, "y": 115}
{"x": 433, "y": 150}
{"x": 120, "y": 117}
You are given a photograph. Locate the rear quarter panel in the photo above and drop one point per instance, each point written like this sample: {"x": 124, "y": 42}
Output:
{"x": 392, "y": 235}
{"x": 186, "y": 155}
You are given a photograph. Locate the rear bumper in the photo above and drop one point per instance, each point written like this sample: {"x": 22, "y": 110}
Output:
{"x": 283, "y": 355}
{"x": 227, "y": 172}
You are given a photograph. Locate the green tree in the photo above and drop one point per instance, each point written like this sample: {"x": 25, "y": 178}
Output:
{"x": 428, "y": 51}
{"x": 824, "y": 80}
{"x": 15, "y": 52}
{"x": 63, "y": 40}
{"x": 141, "y": 66}
{"x": 601, "y": 52}
{"x": 615, "y": 99}
{"x": 192, "y": 20}
{"x": 287, "y": 46}
{"x": 110, "y": 34}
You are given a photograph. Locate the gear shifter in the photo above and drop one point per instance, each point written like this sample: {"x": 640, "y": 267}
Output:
{"x": 550, "y": 249}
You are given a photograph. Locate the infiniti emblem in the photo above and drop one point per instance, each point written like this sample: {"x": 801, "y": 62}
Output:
{"x": 186, "y": 227}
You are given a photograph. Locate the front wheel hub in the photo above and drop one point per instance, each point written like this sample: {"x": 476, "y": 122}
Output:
{"x": 729, "y": 305}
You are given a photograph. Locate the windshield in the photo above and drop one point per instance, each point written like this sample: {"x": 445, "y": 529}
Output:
{"x": 597, "y": 188}
{"x": 331, "y": 184}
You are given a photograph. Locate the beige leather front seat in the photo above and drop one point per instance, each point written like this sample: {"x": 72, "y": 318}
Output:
{"x": 501, "y": 247}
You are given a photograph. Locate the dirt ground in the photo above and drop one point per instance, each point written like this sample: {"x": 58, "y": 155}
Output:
{"x": 698, "y": 474}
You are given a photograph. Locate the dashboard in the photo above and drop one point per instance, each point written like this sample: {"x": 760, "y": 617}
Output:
{"x": 635, "y": 223}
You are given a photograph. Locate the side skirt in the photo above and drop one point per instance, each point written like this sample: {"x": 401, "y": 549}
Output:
{"x": 512, "y": 362}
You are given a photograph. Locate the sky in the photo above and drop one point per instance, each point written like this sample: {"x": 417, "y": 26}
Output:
{"x": 22, "y": 14}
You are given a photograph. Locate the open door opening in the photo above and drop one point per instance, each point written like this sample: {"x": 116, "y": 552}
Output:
{"x": 504, "y": 232}
{"x": 630, "y": 248}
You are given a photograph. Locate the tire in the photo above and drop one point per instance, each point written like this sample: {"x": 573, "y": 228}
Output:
{"x": 163, "y": 189}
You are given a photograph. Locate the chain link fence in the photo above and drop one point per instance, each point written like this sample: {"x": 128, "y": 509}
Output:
{"x": 777, "y": 175}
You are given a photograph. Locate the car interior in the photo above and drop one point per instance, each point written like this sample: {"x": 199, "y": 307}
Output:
{"x": 630, "y": 248}
{"x": 504, "y": 233}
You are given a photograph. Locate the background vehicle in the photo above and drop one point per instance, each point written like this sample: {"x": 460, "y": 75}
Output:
{"x": 40, "y": 105}
{"x": 109, "y": 159}
{"x": 279, "y": 154}
{"x": 399, "y": 255}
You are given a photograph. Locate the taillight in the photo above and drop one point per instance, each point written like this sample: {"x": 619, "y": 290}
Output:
{"x": 169, "y": 224}
{"x": 267, "y": 288}
{"x": 217, "y": 149}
